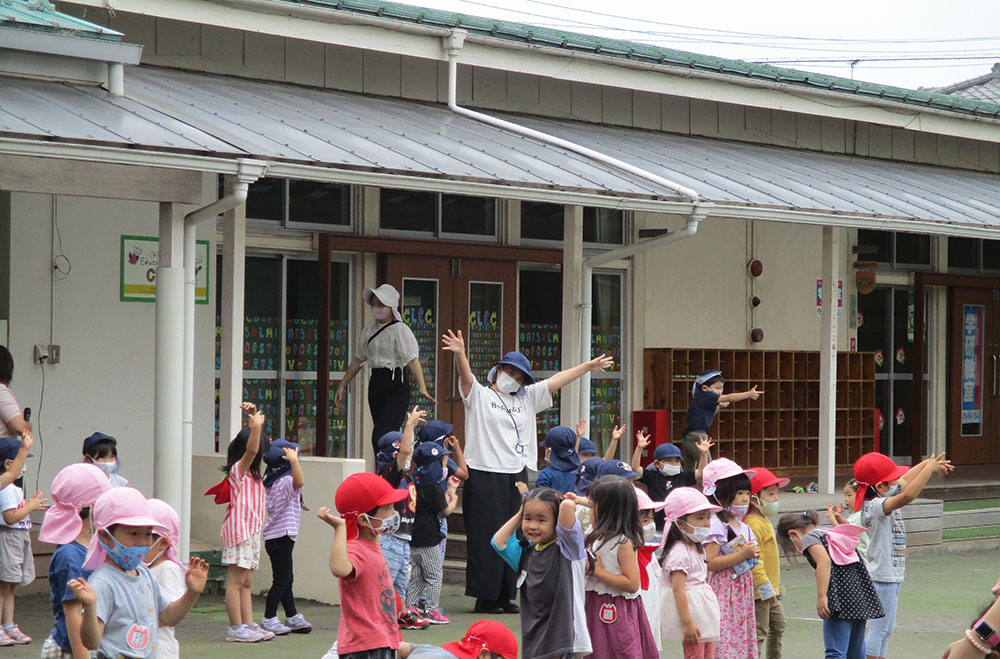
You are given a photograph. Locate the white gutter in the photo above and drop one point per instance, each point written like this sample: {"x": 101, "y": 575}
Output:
{"x": 248, "y": 171}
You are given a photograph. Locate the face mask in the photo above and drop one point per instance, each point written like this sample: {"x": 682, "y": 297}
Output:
{"x": 894, "y": 490}
{"x": 670, "y": 470}
{"x": 107, "y": 467}
{"x": 155, "y": 558}
{"x": 769, "y": 508}
{"x": 507, "y": 384}
{"x": 698, "y": 534}
{"x": 648, "y": 532}
{"x": 380, "y": 313}
{"x": 739, "y": 512}
{"x": 387, "y": 525}
{"x": 127, "y": 558}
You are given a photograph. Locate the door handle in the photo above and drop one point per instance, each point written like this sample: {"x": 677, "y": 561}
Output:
{"x": 994, "y": 375}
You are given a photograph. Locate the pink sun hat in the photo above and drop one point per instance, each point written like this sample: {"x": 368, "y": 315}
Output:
{"x": 74, "y": 488}
{"x": 645, "y": 503}
{"x": 684, "y": 501}
{"x": 119, "y": 505}
{"x": 716, "y": 470}
{"x": 168, "y": 525}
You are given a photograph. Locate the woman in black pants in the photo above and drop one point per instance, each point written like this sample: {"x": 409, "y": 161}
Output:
{"x": 389, "y": 347}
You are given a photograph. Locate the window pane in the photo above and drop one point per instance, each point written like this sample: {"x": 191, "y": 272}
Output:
{"x": 873, "y": 326}
{"x": 265, "y": 394}
{"x": 973, "y": 318}
{"x": 603, "y": 225}
{"x": 963, "y": 253}
{"x": 420, "y": 313}
{"x": 265, "y": 199}
{"x": 605, "y": 409}
{"x": 541, "y": 221}
{"x": 902, "y": 341}
{"x": 408, "y": 210}
{"x": 875, "y": 246}
{"x": 540, "y": 320}
{"x": 471, "y": 215}
{"x": 319, "y": 203}
{"x": 485, "y": 342}
{"x": 262, "y": 305}
{"x": 901, "y": 419}
{"x": 913, "y": 249}
{"x": 991, "y": 255}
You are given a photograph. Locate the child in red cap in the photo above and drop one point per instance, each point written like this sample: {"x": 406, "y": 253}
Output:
{"x": 368, "y": 628}
{"x": 485, "y": 639}
{"x": 764, "y": 487}
{"x": 883, "y": 488}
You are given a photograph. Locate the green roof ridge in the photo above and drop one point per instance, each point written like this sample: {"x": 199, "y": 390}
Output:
{"x": 639, "y": 52}
{"x": 41, "y": 16}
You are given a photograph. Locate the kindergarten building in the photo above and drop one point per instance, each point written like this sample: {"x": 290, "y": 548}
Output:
{"x": 189, "y": 191}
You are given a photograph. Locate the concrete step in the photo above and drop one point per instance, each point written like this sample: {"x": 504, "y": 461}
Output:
{"x": 454, "y": 571}
{"x": 963, "y": 519}
{"x": 946, "y": 491}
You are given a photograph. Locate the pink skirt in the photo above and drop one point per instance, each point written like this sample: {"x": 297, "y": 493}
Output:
{"x": 738, "y": 620}
{"x": 618, "y": 627}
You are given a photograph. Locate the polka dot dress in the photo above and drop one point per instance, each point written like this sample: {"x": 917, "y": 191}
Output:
{"x": 851, "y": 595}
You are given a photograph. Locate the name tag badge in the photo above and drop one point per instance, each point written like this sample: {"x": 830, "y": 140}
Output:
{"x": 608, "y": 614}
{"x": 519, "y": 447}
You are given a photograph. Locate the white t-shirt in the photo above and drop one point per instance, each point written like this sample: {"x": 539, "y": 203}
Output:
{"x": 395, "y": 347}
{"x": 500, "y": 434}
{"x": 12, "y": 498}
{"x": 9, "y": 410}
{"x": 170, "y": 576}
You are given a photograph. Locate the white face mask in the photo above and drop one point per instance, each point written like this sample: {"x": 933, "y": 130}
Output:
{"x": 381, "y": 313}
{"x": 387, "y": 525}
{"x": 649, "y": 532}
{"x": 669, "y": 470}
{"x": 698, "y": 534}
{"x": 506, "y": 384}
{"x": 107, "y": 467}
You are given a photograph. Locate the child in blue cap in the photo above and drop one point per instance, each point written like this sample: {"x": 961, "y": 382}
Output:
{"x": 706, "y": 399}
{"x": 665, "y": 472}
{"x": 564, "y": 463}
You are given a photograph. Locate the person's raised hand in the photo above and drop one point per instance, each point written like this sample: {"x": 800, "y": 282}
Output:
{"x": 415, "y": 416}
{"x": 327, "y": 516}
{"x": 82, "y": 591}
{"x": 453, "y": 342}
{"x": 291, "y": 454}
{"x": 600, "y": 363}
{"x": 581, "y": 428}
{"x": 27, "y": 439}
{"x": 618, "y": 432}
{"x": 642, "y": 440}
{"x": 754, "y": 394}
{"x": 196, "y": 575}
{"x": 37, "y": 502}
{"x": 521, "y": 486}
{"x": 705, "y": 444}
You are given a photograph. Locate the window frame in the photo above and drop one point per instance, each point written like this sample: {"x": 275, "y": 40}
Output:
{"x": 627, "y": 219}
{"x": 311, "y": 227}
{"x": 438, "y": 233}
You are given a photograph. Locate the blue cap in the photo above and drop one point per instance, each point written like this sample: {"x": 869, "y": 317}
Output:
{"x": 88, "y": 443}
{"x": 428, "y": 458}
{"x": 588, "y": 472}
{"x": 561, "y": 442}
{"x": 435, "y": 430}
{"x": 586, "y": 446}
{"x": 518, "y": 361}
{"x": 388, "y": 444}
{"x": 615, "y": 468}
{"x": 274, "y": 458}
{"x": 9, "y": 446}
{"x": 666, "y": 451}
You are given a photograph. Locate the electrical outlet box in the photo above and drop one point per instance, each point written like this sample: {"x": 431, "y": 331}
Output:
{"x": 55, "y": 352}
{"x": 41, "y": 353}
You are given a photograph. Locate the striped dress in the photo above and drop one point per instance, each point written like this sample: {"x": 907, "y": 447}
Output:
{"x": 245, "y": 512}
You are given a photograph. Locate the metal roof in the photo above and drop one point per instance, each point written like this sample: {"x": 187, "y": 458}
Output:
{"x": 645, "y": 53}
{"x": 184, "y": 112}
{"x": 40, "y": 15}
{"x": 981, "y": 88}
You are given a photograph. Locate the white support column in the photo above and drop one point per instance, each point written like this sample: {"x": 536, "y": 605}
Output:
{"x": 828, "y": 362}
{"x": 569, "y": 337}
{"x": 168, "y": 412}
{"x": 937, "y": 354}
{"x": 234, "y": 224}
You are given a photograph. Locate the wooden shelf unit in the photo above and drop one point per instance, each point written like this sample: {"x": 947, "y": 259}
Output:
{"x": 779, "y": 430}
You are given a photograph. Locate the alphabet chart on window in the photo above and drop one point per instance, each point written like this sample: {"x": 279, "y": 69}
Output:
{"x": 420, "y": 314}
{"x": 302, "y": 345}
{"x": 485, "y": 327}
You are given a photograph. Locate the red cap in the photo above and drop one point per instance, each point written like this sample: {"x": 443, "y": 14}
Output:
{"x": 359, "y": 493}
{"x": 488, "y": 634}
{"x": 765, "y": 478}
{"x": 871, "y": 469}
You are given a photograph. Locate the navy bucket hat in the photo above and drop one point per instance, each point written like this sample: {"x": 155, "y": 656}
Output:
{"x": 561, "y": 442}
{"x": 518, "y": 361}
{"x": 664, "y": 451}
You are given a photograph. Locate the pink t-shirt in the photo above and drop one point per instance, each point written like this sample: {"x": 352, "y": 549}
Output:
{"x": 686, "y": 559}
{"x": 9, "y": 410}
{"x": 367, "y": 601}
{"x": 245, "y": 512}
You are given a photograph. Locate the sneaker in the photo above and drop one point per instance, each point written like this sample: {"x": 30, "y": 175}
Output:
{"x": 16, "y": 634}
{"x": 509, "y": 607}
{"x": 487, "y": 606}
{"x": 436, "y": 617}
{"x": 410, "y": 619}
{"x": 264, "y": 634}
{"x": 6, "y": 640}
{"x": 242, "y": 634}
{"x": 298, "y": 624}
{"x": 274, "y": 626}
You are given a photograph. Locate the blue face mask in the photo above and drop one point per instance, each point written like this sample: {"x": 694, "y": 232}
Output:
{"x": 127, "y": 558}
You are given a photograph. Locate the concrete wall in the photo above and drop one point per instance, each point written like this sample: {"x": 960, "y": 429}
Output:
{"x": 312, "y": 550}
{"x": 105, "y": 379}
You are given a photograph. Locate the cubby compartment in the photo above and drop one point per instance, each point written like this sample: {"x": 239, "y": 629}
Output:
{"x": 854, "y": 391}
{"x": 812, "y": 372}
{"x": 741, "y": 366}
{"x": 771, "y": 366}
{"x": 757, "y": 367}
{"x": 756, "y": 454}
{"x": 756, "y": 430}
{"x": 786, "y": 395}
{"x": 772, "y": 426}
{"x": 711, "y": 361}
{"x": 726, "y": 427}
{"x": 772, "y": 454}
{"x": 726, "y": 362}
{"x": 842, "y": 398}
{"x": 787, "y": 423}
{"x": 786, "y": 366}
{"x": 680, "y": 362}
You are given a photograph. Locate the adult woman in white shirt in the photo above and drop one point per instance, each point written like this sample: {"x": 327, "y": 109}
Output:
{"x": 12, "y": 423}
{"x": 389, "y": 347}
{"x": 500, "y": 445}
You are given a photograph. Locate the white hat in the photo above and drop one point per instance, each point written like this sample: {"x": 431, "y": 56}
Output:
{"x": 387, "y": 295}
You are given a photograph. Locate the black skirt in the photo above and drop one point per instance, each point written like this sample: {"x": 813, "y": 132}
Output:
{"x": 488, "y": 501}
{"x": 851, "y": 595}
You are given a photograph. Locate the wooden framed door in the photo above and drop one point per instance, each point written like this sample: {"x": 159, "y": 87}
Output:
{"x": 974, "y": 376}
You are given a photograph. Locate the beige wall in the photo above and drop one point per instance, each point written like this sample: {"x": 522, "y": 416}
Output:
{"x": 312, "y": 550}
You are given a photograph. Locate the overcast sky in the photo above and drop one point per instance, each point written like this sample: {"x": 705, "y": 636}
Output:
{"x": 782, "y": 29}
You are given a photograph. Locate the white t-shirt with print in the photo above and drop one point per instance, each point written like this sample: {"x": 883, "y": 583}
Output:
{"x": 498, "y": 425}
{"x": 12, "y": 498}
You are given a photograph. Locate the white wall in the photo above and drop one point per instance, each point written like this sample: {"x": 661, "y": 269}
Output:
{"x": 105, "y": 379}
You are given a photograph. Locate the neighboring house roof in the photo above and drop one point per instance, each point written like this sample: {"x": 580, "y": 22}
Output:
{"x": 41, "y": 16}
{"x": 638, "y": 52}
{"x": 982, "y": 88}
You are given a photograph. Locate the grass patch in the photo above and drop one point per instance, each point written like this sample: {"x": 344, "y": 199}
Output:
{"x": 973, "y": 504}
{"x": 963, "y": 534}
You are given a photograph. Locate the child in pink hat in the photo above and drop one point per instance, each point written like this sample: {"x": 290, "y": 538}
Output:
{"x": 689, "y": 610}
{"x": 117, "y": 616}
{"x": 161, "y": 559}
{"x": 731, "y": 551}
{"x": 67, "y": 524}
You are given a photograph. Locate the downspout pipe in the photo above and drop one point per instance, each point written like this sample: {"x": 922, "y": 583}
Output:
{"x": 248, "y": 171}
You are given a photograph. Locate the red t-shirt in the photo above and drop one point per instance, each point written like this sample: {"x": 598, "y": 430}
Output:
{"x": 367, "y": 601}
